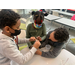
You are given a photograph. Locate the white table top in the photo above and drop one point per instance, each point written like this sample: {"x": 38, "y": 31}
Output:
{"x": 66, "y": 22}
{"x": 52, "y": 17}
{"x": 64, "y": 58}
{"x": 64, "y": 13}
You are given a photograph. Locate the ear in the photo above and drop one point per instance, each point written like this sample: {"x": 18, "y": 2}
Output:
{"x": 7, "y": 29}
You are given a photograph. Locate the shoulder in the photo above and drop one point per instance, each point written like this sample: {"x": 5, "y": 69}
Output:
{"x": 43, "y": 24}
{"x": 60, "y": 44}
{"x": 29, "y": 25}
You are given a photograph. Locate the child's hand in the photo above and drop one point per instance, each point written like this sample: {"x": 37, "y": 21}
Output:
{"x": 32, "y": 39}
{"x": 39, "y": 38}
{"x": 38, "y": 52}
{"x": 37, "y": 44}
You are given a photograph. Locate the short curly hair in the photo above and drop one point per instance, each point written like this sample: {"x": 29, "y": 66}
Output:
{"x": 61, "y": 34}
{"x": 8, "y": 18}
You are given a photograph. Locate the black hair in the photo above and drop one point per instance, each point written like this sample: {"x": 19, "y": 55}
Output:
{"x": 61, "y": 34}
{"x": 37, "y": 14}
{"x": 8, "y": 18}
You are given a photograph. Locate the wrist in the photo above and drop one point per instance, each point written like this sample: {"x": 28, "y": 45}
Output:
{"x": 40, "y": 53}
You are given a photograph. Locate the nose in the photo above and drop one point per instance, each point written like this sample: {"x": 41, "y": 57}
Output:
{"x": 18, "y": 28}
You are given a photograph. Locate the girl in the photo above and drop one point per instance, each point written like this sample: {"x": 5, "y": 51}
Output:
{"x": 36, "y": 29}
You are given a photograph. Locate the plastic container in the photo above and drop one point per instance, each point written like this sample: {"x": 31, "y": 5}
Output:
{"x": 48, "y": 47}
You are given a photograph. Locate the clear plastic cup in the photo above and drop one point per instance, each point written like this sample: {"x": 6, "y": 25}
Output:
{"x": 48, "y": 47}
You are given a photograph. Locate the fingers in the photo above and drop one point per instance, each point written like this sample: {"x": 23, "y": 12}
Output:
{"x": 32, "y": 39}
{"x": 39, "y": 38}
{"x": 37, "y": 44}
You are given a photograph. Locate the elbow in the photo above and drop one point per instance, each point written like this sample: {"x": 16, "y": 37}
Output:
{"x": 55, "y": 56}
{"x": 48, "y": 55}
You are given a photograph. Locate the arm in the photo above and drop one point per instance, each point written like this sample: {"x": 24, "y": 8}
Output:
{"x": 50, "y": 54}
{"x": 43, "y": 45}
{"x": 54, "y": 53}
{"x": 44, "y": 32}
{"x": 28, "y": 35}
{"x": 25, "y": 40}
{"x": 11, "y": 52}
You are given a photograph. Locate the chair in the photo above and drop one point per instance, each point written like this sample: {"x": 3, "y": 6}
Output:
{"x": 71, "y": 45}
{"x": 22, "y": 35}
{"x": 23, "y": 27}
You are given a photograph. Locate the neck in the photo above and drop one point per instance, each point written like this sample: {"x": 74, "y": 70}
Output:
{"x": 7, "y": 34}
{"x": 33, "y": 26}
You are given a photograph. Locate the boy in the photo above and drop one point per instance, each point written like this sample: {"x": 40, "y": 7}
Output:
{"x": 9, "y": 24}
{"x": 36, "y": 29}
{"x": 56, "y": 39}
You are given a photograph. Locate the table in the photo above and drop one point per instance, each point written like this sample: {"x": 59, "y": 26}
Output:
{"x": 51, "y": 18}
{"x": 66, "y": 22}
{"x": 64, "y": 13}
{"x": 64, "y": 58}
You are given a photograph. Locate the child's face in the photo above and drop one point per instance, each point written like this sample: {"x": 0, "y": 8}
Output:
{"x": 38, "y": 20}
{"x": 52, "y": 37}
{"x": 7, "y": 30}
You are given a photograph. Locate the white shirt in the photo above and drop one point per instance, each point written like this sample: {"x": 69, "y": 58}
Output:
{"x": 9, "y": 51}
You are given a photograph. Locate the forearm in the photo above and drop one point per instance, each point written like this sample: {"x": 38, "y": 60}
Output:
{"x": 29, "y": 55}
{"x": 11, "y": 52}
{"x": 43, "y": 38}
{"x": 44, "y": 32}
{"x": 48, "y": 54}
{"x": 52, "y": 54}
{"x": 24, "y": 40}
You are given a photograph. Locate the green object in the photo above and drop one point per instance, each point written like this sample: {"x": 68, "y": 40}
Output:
{"x": 22, "y": 47}
{"x": 73, "y": 39}
{"x": 23, "y": 26}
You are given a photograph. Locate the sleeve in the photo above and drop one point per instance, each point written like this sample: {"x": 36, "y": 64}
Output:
{"x": 43, "y": 45}
{"x": 28, "y": 35}
{"x": 54, "y": 53}
{"x": 44, "y": 32}
{"x": 24, "y": 40}
{"x": 11, "y": 52}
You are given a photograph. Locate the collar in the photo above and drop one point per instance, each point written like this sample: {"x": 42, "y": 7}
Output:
{"x": 33, "y": 26}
